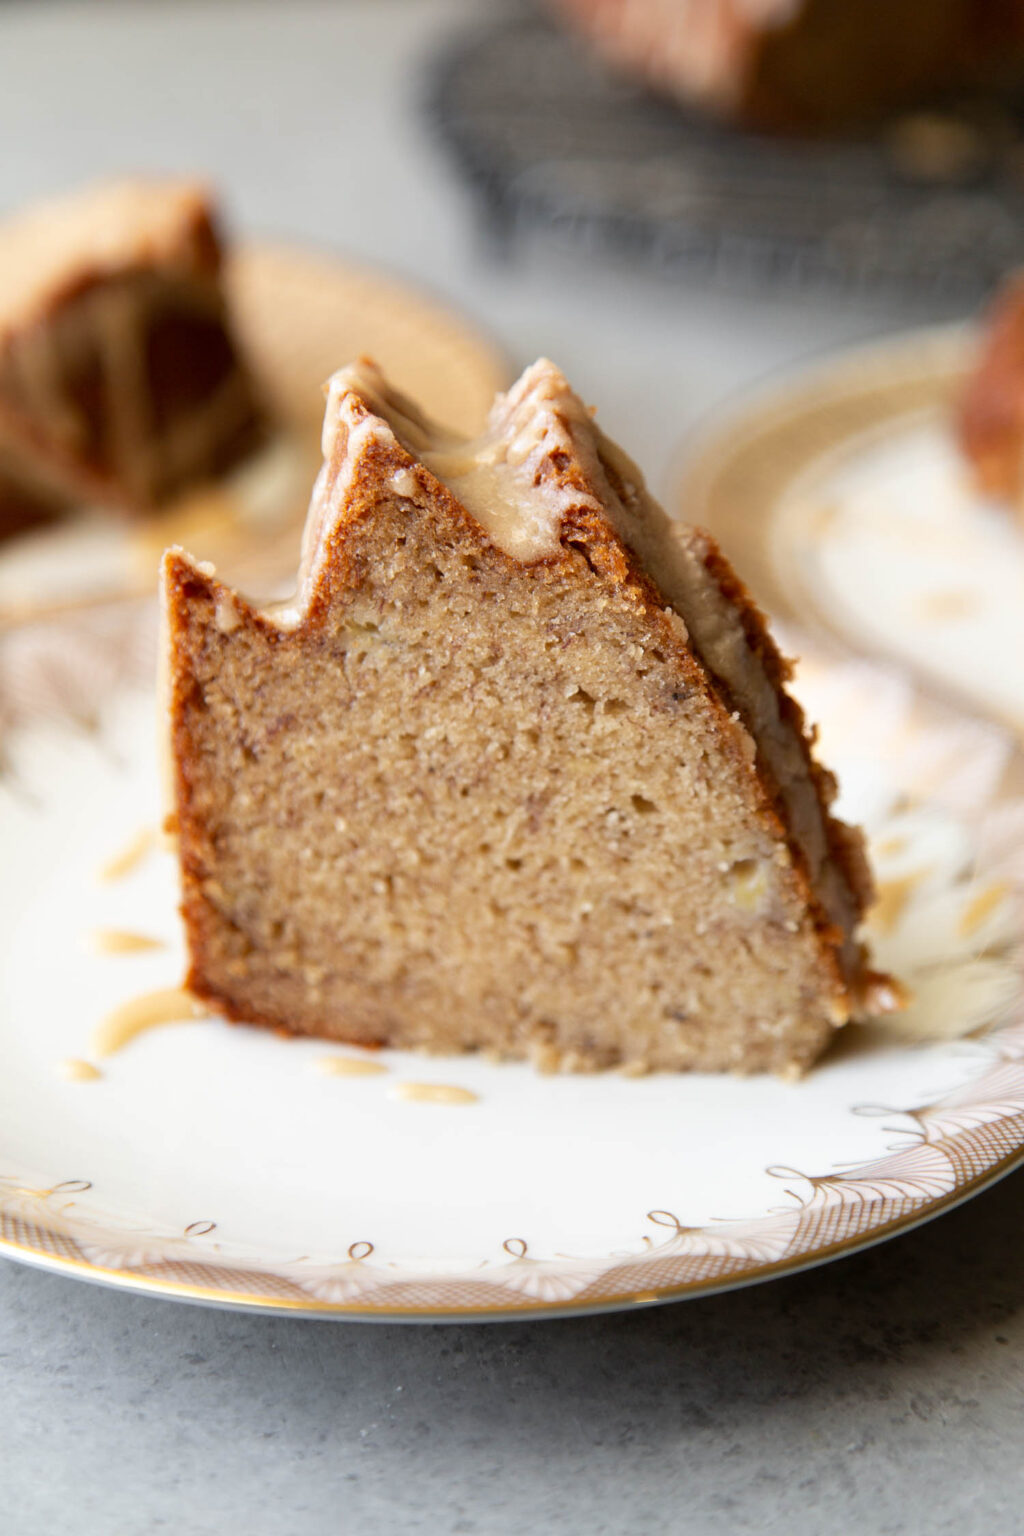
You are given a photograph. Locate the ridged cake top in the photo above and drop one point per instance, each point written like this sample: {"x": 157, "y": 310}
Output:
{"x": 504, "y": 478}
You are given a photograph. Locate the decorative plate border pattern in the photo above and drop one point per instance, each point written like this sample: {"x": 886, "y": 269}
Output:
{"x": 953, "y": 1148}
{"x": 944, "y": 1151}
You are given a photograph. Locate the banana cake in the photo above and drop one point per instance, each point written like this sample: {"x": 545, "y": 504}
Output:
{"x": 121, "y": 382}
{"x": 516, "y": 770}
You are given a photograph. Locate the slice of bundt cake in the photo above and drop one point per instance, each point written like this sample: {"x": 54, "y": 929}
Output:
{"x": 120, "y": 379}
{"x": 990, "y": 411}
{"x": 517, "y": 770}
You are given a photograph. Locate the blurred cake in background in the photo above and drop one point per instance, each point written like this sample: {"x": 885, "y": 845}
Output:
{"x": 121, "y": 383}
{"x": 806, "y": 65}
{"x": 990, "y": 416}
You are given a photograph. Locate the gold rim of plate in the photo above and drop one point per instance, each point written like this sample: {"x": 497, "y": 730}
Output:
{"x": 265, "y": 1291}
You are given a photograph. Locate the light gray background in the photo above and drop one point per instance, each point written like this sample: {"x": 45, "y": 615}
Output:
{"x": 883, "y": 1394}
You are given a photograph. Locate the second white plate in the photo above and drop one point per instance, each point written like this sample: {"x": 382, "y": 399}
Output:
{"x": 844, "y": 500}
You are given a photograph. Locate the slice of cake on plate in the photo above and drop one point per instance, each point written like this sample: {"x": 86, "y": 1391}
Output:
{"x": 516, "y": 771}
{"x": 120, "y": 378}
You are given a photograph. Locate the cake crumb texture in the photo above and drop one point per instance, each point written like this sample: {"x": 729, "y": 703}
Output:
{"x": 458, "y": 800}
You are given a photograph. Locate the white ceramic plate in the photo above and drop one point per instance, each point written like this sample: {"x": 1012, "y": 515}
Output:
{"x": 844, "y": 500}
{"x": 216, "y": 1163}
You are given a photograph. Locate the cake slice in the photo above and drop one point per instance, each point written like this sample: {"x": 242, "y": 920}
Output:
{"x": 990, "y": 412}
{"x": 516, "y": 771}
{"x": 120, "y": 379}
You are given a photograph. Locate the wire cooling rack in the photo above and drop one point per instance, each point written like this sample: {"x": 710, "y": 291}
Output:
{"x": 550, "y": 142}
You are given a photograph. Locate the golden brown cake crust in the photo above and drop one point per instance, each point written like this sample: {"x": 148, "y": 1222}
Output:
{"x": 990, "y": 415}
{"x": 599, "y": 615}
{"x": 846, "y": 844}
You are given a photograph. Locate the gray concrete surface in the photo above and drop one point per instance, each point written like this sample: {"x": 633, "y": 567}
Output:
{"x": 881, "y": 1395}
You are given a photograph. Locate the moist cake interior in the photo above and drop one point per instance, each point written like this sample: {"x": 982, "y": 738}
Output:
{"x": 514, "y": 772}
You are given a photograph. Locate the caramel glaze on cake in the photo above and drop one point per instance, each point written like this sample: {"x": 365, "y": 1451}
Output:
{"x": 990, "y": 413}
{"x": 120, "y": 379}
{"x": 516, "y": 772}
